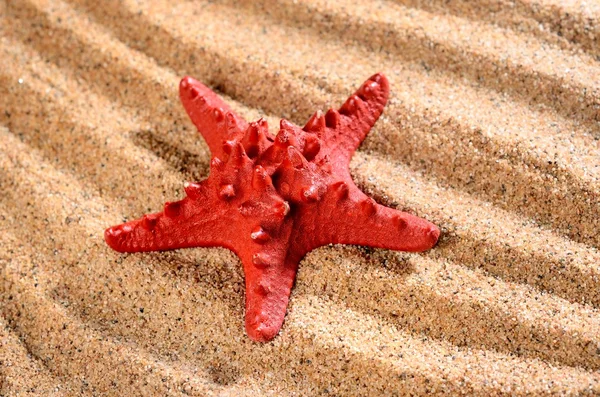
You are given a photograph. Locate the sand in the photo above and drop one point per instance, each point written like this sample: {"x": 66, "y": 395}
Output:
{"x": 491, "y": 132}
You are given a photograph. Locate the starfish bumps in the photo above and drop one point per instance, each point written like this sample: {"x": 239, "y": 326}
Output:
{"x": 271, "y": 200}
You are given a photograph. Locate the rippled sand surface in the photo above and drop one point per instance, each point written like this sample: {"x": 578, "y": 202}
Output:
{"x": 492, "y": 132}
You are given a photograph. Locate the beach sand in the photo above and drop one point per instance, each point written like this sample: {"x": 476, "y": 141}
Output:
{"x": 491, "y": 132}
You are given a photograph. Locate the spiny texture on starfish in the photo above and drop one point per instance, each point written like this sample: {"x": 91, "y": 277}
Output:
{"x": 271, "y": 199}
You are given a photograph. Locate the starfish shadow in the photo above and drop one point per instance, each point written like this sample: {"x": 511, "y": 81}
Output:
{"x": 215, "y": 268}
{"x": 378, "y": 258}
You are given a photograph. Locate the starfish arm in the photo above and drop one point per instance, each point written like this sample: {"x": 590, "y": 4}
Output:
{"x": 270, "y": 271}
{"x": 348, "y": 126}
{"x": 182, "y": 224}
{"x": 351, "y": 217}
{"x": 268, "y": 288}
{"x": 210, "y": 114}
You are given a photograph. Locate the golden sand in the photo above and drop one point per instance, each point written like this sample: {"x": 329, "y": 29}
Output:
{"x": 491, "y": 132}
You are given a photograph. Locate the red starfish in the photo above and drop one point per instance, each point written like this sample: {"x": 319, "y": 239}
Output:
{"x": 272, "y": 200}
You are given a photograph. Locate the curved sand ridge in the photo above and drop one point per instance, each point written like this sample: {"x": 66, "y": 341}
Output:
{"x": 491, "y": 132}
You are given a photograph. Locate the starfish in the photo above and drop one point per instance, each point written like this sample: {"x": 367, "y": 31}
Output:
{"x": 271, "y": 200}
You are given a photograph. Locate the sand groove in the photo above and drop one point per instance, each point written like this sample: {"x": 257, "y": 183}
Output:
{"x": 92, "y": 133}
{"x": 478, "y": 235}
{"x": 21, "y": 373}
{"x": 493, "y": 59}
{"x": 153, "y": 376}
{"x": 556, "y": 21}
{"x": 459, "y": 300}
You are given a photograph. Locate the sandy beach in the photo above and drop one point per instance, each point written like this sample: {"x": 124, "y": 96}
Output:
{"x": 492, "y": 132}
